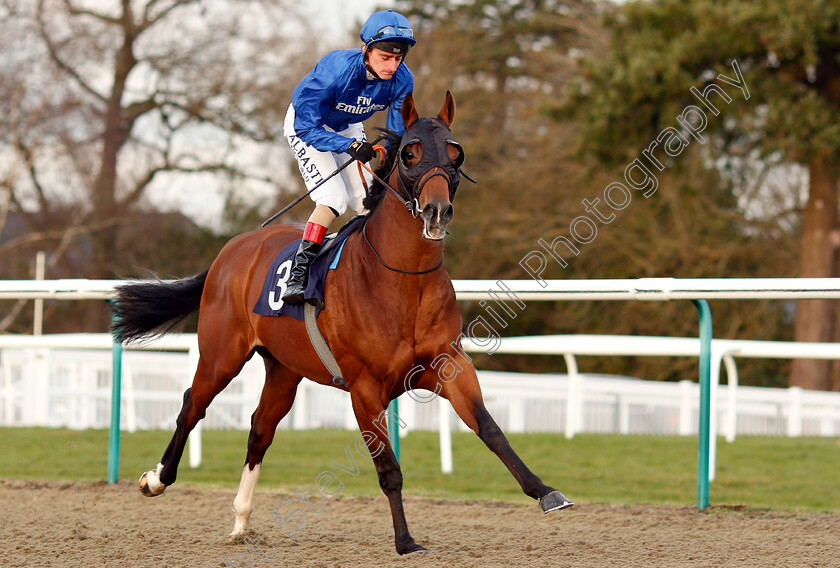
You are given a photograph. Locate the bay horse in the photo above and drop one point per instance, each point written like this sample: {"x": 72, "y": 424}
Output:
{"x": 390, "y": 310}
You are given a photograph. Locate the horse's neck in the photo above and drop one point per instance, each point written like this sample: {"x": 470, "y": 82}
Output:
{"x": 397, "y": 238}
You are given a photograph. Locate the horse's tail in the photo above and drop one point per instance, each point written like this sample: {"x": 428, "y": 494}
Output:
{"x": 150, "y": 309}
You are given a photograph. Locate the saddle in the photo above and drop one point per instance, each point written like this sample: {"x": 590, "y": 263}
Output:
{"x": 270, "y": 301}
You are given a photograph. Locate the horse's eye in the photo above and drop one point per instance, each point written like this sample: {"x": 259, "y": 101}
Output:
{"x": 410, "y": 154}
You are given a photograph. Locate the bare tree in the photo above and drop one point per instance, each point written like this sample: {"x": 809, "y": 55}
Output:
{"x": 124, "y": 95}
{"x": 104, "y": 102}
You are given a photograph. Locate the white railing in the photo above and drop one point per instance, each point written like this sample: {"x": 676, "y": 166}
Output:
{"x": 65, "y": 380}
{"x": 654, "y": 289}
{"x": 650, "y": 289}
{"x": 723, "y": 351}
{"x": 519, "y": 291}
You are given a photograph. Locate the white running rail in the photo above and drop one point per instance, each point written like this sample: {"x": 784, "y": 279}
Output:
{"x": 795, "y": 416}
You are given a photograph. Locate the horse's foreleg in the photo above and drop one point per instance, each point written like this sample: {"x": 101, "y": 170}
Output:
{"x": 276, "y": 400}
{"x": 372, "y": 419}
{"x": 464, "y": 394}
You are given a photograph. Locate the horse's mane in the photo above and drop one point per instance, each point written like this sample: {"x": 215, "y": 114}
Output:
{"x": 376, "y": 191}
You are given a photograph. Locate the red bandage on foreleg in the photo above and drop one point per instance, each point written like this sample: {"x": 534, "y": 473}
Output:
{"x": 314, "y": 232}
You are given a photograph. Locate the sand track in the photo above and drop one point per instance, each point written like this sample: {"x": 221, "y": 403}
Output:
{"x": 82, "y": 525}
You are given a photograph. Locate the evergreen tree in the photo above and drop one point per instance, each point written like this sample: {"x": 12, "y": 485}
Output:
{"x": 768, "y": 74}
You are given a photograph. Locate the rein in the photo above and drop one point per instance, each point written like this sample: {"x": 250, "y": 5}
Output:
{"x": 413, "y": 208}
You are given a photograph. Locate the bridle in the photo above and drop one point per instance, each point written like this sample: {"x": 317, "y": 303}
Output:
{"x": 410, "y": 200}
{"x": 412, "y": 180}
{"x": 435, "y": 162}
{"x": 411, "y": 203}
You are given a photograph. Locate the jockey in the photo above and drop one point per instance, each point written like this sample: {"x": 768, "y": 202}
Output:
{"x": 324, "y": 125}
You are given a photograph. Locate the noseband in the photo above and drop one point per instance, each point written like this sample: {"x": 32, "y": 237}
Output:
{"x": 434, "y": 138}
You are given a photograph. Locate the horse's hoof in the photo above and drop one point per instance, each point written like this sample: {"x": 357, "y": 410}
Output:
{"x": 238, "y": 537}
{"x": 415, "y": 549}
{"x": 554, "y": 501}
{"x": 150, "y": 484}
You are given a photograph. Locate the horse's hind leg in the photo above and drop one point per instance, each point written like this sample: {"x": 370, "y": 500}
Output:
{"x": 276, "y": 400}
{"x": 370, "y": 414}
{"x": 464, "y": 394}
{"x": 211, "y": 378}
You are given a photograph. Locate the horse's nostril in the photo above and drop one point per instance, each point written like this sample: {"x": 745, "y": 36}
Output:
{"x": 448, "y": 214}
{"x": 436, "y": 213}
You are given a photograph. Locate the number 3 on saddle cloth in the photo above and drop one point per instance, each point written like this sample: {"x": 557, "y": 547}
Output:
{"x": 270, "y": 302}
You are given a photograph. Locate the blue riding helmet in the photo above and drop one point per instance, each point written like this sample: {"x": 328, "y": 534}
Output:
{"x": 388, "y": 28}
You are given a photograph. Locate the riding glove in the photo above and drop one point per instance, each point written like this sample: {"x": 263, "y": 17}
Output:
{"x": 361, "y": 151}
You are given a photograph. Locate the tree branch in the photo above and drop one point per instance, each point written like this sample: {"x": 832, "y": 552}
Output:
{"x": 76, "y": 11}
{"x": 63, "y": 235}
{"x": 135, "y": 110}
{"x": 29, "y": 159}
{"x": 224, "y": 122}
{"x": 10, "y": 318}
{"x": 141, "y": 184}
{"x": 56, "y": 58}
{"x": 149, "y": 20}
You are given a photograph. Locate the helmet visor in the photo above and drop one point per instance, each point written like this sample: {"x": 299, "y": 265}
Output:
{"x": 396, "y": 47}
{"x": 391, "y": 33}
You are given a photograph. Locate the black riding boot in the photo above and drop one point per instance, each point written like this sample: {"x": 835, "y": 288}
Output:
{"x": 300, "y": 273}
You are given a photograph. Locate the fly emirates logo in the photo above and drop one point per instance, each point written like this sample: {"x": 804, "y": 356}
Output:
{"x": 363, "y": 105}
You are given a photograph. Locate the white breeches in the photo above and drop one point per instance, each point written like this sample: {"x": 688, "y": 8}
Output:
{"x": 342, "y": 190}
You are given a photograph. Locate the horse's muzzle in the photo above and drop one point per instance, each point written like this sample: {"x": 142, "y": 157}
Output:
{"x": 436, "y": 217}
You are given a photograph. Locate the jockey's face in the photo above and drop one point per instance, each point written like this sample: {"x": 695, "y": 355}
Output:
{"x": 384, "y": 64}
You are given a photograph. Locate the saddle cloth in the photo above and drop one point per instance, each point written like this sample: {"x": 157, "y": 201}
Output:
{"x": 270, "y": 302}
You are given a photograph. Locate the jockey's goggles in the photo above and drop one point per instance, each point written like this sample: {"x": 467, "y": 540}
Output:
{"x": 391, "y": 33}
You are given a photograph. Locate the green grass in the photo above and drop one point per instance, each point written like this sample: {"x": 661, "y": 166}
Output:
{"x": 775, "y": 473}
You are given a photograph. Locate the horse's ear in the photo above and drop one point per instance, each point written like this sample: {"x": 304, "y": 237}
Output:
{"x": 447, "y": 113}
{"x": 409, "y": 113}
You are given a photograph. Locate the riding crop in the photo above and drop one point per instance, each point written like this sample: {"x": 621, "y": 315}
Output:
{"x": 320, "y": 183}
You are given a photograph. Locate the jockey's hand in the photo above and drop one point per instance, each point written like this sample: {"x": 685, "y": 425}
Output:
{"x": 361, "y": 151}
